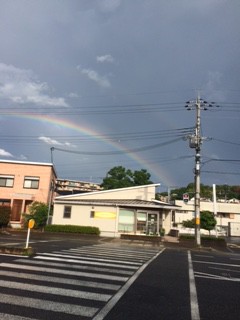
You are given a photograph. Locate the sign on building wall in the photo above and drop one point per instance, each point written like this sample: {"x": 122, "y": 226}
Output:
{"x": 104, "y": 215}
{"x": 185, "y": 197}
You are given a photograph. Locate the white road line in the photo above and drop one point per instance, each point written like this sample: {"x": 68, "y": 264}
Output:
{"x": 75, "y": 282}
{"x": 86, "y": 262}
{"x": 223, "y": 269}
{"x": 193, "y": 292}
{"x": 218, "y": 263}
{"x": 54, "y": 290}
{"x": 4, "y": 316}
{"x": 127, "y": 249}
{"x": 206, "y": 276}
{"x": 203, "y": 256}
{"x": 67, "y": 272}
{"x": 60, "y": 254}
{"x": 116, "y": 251}
{"x": 197, "y": 273}
{"x": 108, "y": 307}
{"x": 104, "y": 256}
{"x": 76, "y": 266}
{"x": 48, "y": 305}
{"x": 109, "y": 254}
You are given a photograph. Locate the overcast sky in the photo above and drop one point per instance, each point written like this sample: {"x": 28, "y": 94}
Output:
{"x": 106, "y": 81}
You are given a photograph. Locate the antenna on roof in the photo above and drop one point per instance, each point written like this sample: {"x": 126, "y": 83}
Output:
{"x": 52, "y": 149}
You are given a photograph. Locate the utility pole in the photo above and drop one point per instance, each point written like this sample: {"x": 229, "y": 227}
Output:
{"x": 195, "y": 141}
{"x": 197, "y": 173}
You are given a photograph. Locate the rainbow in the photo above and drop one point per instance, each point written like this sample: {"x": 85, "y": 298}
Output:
{"x": 153, "y": 169}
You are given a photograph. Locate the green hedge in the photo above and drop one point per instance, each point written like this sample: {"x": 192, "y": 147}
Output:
{"x": 192, "y": 237}
{"x": 72, "y": 229}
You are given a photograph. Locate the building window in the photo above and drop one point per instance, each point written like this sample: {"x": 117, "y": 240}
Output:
{"x": 6, "y": 181}
{"x": 31, "y": 182}
{"x": 126, "y": 221}
{"x": 67, "y": 212}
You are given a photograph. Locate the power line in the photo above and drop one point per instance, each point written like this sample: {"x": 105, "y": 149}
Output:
{"x": 125, "y": 151}
{"x": 126, "y": 136}
{"x": 224, "y": 141}
{"x": 221, "y": 172}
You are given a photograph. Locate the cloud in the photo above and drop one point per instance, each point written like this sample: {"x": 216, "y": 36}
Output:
{"x": 211, "y": 87}
{"x": 51, "y": 141}
{"x": 73, "y": 95}
{"x": 102, "y": 81}
{"x": 21, "y": 86}
{"x": 109, "y": 5}
{"x": 4, "y": 153}
{"x": 22, "y": 157}
{"x": 105, "y": 58}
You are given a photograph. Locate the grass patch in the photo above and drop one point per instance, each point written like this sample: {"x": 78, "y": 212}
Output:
{"x": 18, "y": 251}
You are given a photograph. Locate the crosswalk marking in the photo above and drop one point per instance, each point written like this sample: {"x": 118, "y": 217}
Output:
{"x": 86, "y": 279}
{"x": 66, "y": 272}
{"x": 55, "y": 290}
{"x": 75, "y": 282}
{"x": 13, "y": 317}
{"x": 122, "y": 262}
{"x": 96, "y": 263}
{"x": 75, "y": 266}
{"x": 112, "y": 253}
{"x": 69, "y": 308}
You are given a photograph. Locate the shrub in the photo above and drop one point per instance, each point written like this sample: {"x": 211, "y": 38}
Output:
{"x": 186, "y": 237}
{"x": 203, "y": 238}
{"x": 72, "y": 229}
{"x": 4, "y": 216}
{"x": 189, "y": 223}
{"x": 162, "y": 232}
{"x": 208, "y": 222}
{"x": 37, "y": 211}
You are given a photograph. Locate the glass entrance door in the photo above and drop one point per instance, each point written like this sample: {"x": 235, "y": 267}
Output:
{"x": 141, "y": 222}
{"x": 152, "y": 223}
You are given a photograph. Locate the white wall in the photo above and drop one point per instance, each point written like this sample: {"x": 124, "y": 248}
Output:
{"x": 186, "y": 212}
{"x": 167, "y": 219}
{"x": 234, "y": 229}
{"x": 81, "y": 215}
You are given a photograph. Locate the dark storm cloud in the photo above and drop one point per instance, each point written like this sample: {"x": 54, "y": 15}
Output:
{"x": 77, "y": 55}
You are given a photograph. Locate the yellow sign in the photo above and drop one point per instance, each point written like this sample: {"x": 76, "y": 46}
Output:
{"x": 197, "y": 221}
{"x": 31, "y": 223}
{"x": 104, "y": 215}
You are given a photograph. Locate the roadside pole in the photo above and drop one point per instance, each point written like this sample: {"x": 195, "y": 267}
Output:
{"x": 31, "y": 223}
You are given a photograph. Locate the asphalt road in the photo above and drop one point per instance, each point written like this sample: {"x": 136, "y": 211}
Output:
{"x": 74, "y": 277}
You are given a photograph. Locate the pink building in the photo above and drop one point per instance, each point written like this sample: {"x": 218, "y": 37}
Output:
{"x": 22, "y": 183}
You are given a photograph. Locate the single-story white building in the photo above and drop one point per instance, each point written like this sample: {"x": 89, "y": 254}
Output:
{"x": 132, "y": 210}
{"x": 227, "y": 213}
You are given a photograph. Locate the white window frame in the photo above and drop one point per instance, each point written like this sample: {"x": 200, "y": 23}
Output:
{"x": 31, "y": 182}
{"x": 8, "y": 181}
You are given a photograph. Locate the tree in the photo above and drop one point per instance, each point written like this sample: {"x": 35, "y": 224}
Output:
{"x": 223, "y": 191}
{"x": 207, "y": 220}
{"x": 141, "y": 177}
{"x": 39, "y": 212}
{"x": 120, "y": 177}
{"x": 189, "y": 223}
